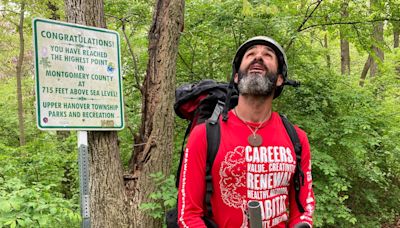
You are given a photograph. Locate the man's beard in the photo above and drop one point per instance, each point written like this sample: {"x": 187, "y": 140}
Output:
{"x": 256, "y": 84}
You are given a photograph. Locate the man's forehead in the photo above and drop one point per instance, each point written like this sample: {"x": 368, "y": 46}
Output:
{"x": 261, "y": 45}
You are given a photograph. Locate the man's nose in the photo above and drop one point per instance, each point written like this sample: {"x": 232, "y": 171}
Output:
{"x": 257, "y": 58}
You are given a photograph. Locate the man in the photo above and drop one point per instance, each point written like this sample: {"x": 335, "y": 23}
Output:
{"x": 256, "y": 160}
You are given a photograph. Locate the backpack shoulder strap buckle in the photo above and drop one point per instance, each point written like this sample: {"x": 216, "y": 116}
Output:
{"x": 217, "y": 111}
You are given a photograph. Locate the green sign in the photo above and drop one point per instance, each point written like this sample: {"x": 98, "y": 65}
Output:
{"x": 78, "y": 77}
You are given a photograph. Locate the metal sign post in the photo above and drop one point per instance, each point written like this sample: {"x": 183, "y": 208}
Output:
{"x": 84, "y": 178}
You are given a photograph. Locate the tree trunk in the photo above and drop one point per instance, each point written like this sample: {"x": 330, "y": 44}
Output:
{"x": 396, "y": 32}
{"x": 107, "y": 191}
{"x": 62, "y": 135}
{"x": 345, "y": 56}
{"x": 53, "y": 9}
{"x": 364, "y": 72}
{"x": 344, "y": 44}
{"x": 394, "y": 7}
{"x": 379, "y": 55}
{"x": 108, "y": 201}
{"x": 328, "y": 57}
{"x": 378, "y": 39}
{"x": 19, "y": 75}
{"x": 154, "y": 139}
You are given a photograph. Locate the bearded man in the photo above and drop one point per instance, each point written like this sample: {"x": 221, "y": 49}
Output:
{"x": 256, "y": 159}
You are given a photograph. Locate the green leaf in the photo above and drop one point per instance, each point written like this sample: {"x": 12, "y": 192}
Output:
{"x": 21, "y": 222}
{"x": 13, "y": 224}
{"x": 53, "y": 210}
{"x": 5, "y": 206}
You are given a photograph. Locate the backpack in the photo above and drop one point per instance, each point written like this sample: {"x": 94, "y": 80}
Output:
{"x": 204, "y": 101}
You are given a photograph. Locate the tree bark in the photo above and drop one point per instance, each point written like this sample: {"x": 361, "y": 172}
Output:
{"x": 364, "y": 72}
{"x": 108, "y": 206}
{"x": 396, "y": 33}
{"x": 345, "y": 56}
{"x": 19, "y": 75}
{"x": 53, "y": 9}
{"x": 154, "y": 151}
{"x": 379, "y": 55}
{"x": 108, "y": 201}
{"x": 328, "y": 57}
{"x": 344, "y": 44}
{"x": 377, "y": 38}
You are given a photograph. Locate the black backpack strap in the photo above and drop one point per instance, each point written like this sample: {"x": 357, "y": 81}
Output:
{"x": 213, "y": 137}
{"x": 213, "y": 141}
{"x": 298, "y": 174}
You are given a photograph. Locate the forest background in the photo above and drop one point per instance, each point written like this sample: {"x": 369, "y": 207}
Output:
{"x": 345, "y": 53}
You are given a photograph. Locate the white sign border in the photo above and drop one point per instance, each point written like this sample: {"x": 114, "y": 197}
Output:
{"x": 36, "y": 62}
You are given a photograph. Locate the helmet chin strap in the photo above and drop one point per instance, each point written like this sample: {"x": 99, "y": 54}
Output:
{"x": 292, "y": 83}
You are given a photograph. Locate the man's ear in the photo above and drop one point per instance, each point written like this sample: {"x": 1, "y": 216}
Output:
{"x": 280, "y": 81}
{"x": 236, "y": 79}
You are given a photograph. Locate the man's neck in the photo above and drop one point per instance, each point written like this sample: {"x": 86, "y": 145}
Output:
{"x": 254, "y": 108}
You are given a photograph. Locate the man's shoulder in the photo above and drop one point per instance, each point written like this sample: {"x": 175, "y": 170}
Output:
{"x": 198, "y": 130}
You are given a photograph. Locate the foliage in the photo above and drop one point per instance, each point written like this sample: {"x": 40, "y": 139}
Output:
{"x": 8, "y": 106}
{"x": 347, "y": 125}
{"x": 38, "y": 183}
{"x": 36, "y": 205}
{"x": 352, "y": 130}
{"x": 164, "y": 198}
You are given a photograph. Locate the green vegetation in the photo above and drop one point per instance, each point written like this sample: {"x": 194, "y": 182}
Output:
{"x": 38, "y": 182}
{"x": 353, "y": 130}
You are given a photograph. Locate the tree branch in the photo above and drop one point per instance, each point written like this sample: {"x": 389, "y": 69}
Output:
{"x": 137, "y": 85}
{"x": 9, "y": 11}
{"x": 192, "y": 57}
{"x": 364, "y": 45}
{"x": 186, "y": 64}
{"x": 123, "y": 21}
{"x": 306, "y": 18}
{"x": 349, "y": 23}
{"x": 364, "y": 72}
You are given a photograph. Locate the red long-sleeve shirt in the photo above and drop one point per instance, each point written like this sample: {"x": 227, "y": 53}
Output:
{"x": 243, "y": 173}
